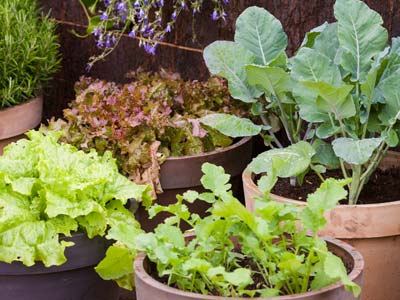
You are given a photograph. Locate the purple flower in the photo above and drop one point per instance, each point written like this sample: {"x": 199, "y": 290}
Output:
{"x": 160, "y": 3}
{"x": 173, "y": 16}
{"x": 121, "y": 7}
{"x": 107, "y": 2}
{"x": 97, "y": 31}
{"x": 168, "y": 28}
{"x": 146, "y": 2}
{"x": 136, "y": 4}
{"x": 195, "y": 10}
{"x": 132, "y": 34}
{"x": 104, "y": 16}
{"x": 225, "y": 1}
{"x": 183, "y": 4}
{"x": 141, "y": 13}
{"x": 214, "y": 15}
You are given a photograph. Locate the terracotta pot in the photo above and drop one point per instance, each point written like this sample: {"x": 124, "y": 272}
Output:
{"x": 74, "y": 280}
{"x": 149, "y": 288}
{"x": 373, "y": 229}
{"x": 178, "y": 174}
{"x": 16, "y": 120}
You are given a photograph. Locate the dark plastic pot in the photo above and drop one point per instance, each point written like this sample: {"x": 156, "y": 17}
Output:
{"x": 74, "y": 280}
{"x": 147, "y": 288}
{"x": 178, "y": 174}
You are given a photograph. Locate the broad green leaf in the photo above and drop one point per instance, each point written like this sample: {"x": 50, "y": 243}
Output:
{"x": 355, "y": 152}
{"x": 287, "y": 162}
{"x": 310, "y": 36}
{"x": 361, "y": 36}
{"x": 273, "y": 81}
{"x": 261, "y": 33}
{"x": 391, "y": 93}
{"x": 228, "y": 60}
{"x": 117, "y": 263}
{"x": 325, "y": 155}
{"x": 326, "y": 130}
{"x": 231, "y": 125}
{"x": 327, "y": 42}
{"x": 310, "y": 65}
{"x": 335, "y": 100}
{"x": 306, "y": 100}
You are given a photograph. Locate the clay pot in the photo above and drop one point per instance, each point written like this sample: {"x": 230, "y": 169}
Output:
{"x": 178, "y": 174}
{"x": 74, "y": 280}
{"x": 149, "y": 288}
{"x": 16, "y": 120}
{"x": 373, "y": 229}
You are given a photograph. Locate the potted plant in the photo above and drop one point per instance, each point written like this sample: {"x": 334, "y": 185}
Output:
{"x": 337, "y": 102}
{"x": 235, "y": 254}
{"x": 151, "y": 126}
{"x": 60, "y": 210}
{"x": 29, "y": 56}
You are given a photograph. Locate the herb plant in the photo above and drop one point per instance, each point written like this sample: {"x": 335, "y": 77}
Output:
{"x": 338, "y": 92}
{"x": 50, "y": 190}
{"x": 29, "y": 52}
{"x": 236, "y": 253}
{"x": 145, "y": 121}
{"x": 145, "y": 20}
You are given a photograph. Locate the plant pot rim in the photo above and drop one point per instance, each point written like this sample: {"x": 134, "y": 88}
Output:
{"x": 86, "y": 252}
{"x": 354, "y": 274}
{"x": 185, "y": 171}
{"x": 360, "y": 221}
{"x": 16, "y": 120}
{"x": 236, "y": 144}
{"x": 248, "y": 180}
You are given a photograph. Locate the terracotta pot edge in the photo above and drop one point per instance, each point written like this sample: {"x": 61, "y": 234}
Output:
{"x": 355, "y": 273}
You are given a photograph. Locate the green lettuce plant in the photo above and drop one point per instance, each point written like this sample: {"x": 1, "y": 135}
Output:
{"x": 237, "y": 253}
{"x": 50, "y": 190}
{"x": 145, "y": 121}
{"x": 29, "y": 51}
{"x": 338, "y": 92}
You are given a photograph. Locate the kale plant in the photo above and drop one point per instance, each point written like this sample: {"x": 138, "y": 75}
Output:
{"x": 146, "y": 121}
{"x": 338, "y": 92}
{"x": 29, "y": 52}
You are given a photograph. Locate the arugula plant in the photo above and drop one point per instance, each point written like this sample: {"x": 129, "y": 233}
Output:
{"x": 340, "y": 88}
{"x": 237, "y": 253}
{"x": 50, "y": 190}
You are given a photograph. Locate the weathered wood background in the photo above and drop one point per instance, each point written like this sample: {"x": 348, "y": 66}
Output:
{"x": 297, "y": 17}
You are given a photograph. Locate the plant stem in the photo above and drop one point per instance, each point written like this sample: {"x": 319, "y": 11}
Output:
{"x": 270, "y": 132}
{"x": 284, "y": 119}
{"x": 355, "y": 184}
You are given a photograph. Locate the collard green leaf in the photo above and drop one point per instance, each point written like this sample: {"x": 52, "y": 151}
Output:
{"x": 361, "y": 36}
{"x": 261, "y": 33}
{"x": 231, "y": 125}
{"x": 327, "y": 42}
{"x": 310, "y": 37}
{"x": 355, "y": 152}
{"x": 310, "y": 65}
{"x": 391, "y": 93}
{"x": 273, "y": 81}
{"x": 335, "y": 100}
{"x": 292, "y": 160}
{"x": 228, "y": 59}
{"x": 325, "y": 155}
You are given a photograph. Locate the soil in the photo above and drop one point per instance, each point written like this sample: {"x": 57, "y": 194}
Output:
{"x": 382, "y": 187}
